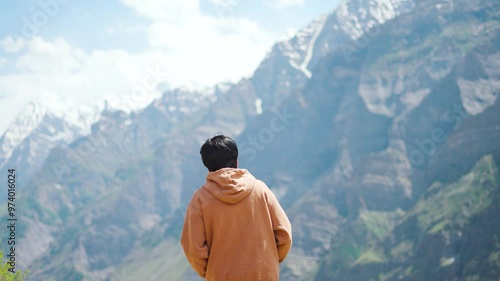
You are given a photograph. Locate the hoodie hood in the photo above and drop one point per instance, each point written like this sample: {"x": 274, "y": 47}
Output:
{"x": 230, "y": 185}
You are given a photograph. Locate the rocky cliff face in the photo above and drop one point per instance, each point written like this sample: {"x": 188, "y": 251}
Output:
{"x": 377, "y": 126}
{"x": 399, "y": 124}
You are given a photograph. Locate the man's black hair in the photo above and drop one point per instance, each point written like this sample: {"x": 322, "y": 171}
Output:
{"x": 219, "y": 152}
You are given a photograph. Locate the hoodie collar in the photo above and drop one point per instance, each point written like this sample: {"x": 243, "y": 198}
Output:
{"x": 230, "y": 185}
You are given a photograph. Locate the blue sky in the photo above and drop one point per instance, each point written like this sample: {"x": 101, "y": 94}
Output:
{"x": 68, "y": 52}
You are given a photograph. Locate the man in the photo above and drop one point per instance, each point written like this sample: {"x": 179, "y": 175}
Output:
{"x": 235, "y": 229}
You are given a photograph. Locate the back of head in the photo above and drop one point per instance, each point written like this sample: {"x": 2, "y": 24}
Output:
{"x": 219, "y": 152}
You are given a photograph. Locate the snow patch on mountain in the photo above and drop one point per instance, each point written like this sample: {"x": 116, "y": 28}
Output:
{"x": 355, "y": 20}
{"x": 299, "y": 49}
{"x": 477, "y": 96}
{"x": 310, "y": 48}
{"x": 258, "y": 106}
{"x": 82, "y": 117}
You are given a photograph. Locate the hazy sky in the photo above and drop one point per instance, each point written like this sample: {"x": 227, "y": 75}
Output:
{"x": 68, "y": 52}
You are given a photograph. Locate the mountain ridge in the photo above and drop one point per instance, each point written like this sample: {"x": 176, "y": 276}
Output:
{"x": 345, "y": 166}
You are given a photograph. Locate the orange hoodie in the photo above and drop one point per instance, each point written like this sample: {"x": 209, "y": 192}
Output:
{"x": 235, "y": 229}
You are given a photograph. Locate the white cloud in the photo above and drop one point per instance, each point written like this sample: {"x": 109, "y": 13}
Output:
{"x": 13, "y": 45}
{"x": 194, "y": 49}
{"x": 212, "y": 50}
{"x": 2, "y": 62}
{"x": 176, "y": 11}
{"x": 43, "y": 56}
{"x": 123, "y": 27}
{"x": 221, "y": 7}
{"x": 61, "y": 76}
{"x": 283, "y": 4}
{"x": 204, "y": 48}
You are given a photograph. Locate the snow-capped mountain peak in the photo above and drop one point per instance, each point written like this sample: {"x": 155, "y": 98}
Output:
{"x": 81, "y": 117}
{"x": 355, "y": 20}
{"x": 351, "y": 19}
{"x": 39, "y": 128}
{"x": 299, "y": 49}
{"x": 22, "y": 127}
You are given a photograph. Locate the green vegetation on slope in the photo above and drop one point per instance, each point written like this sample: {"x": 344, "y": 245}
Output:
{"x": 397, "y": 246}
{"x": 456, "y": 203}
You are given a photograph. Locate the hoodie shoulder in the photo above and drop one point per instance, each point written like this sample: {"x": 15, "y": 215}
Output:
{"x": 262, "y": 189}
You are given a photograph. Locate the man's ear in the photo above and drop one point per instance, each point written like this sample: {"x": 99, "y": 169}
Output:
{"x": 237, "y": 164}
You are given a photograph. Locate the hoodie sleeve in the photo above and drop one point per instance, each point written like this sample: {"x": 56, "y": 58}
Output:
{"x": 282, "y": 227}
{"x": 193, "y": 239}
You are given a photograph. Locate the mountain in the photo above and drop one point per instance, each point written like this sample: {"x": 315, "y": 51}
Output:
{"x": 28, "y": 140}
{"x": 117, "y": 140}
{"x": 389, "y": 121}
{"x": 287, "y": 67}
{"x": 37, "y": 130}
{"x": 377, "y": 126}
